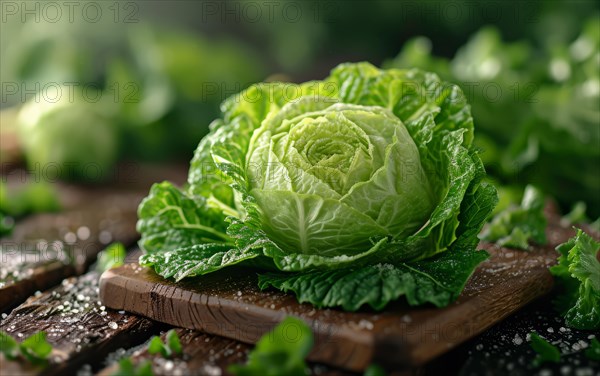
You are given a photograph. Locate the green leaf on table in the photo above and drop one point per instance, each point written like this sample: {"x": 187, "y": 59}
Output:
{"x": 578, "y": 277}
{"x": 546, "y": 352}
{"x": 280, "y": 352}
{"x": 144, "y": 369}
{"x": 173, "y": 342}
{"x": 437, "y": 280}
{"x": 172, "y": 347}
{"x": 127, "y": 368}
{"x": 113, "y": 256}
{"x": 35, "y": 348}
{"x": 593, "y": 352}
{"x": 516, "y": 226}
{"x": 156, "y": 346}
{"x": 8, "y": 346}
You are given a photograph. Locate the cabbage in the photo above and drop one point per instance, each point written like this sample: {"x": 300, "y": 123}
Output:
{"x": 536, "y": 106}
{"x": 369, "y": 171}
{"x": 578, "y": 278}
{"x": 68, "y": 138}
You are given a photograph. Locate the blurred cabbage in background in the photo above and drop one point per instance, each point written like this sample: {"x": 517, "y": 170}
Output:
{"x": 92, "y": 93}
{"x": 536, "y": 106}
{"x": 529, "y": 68}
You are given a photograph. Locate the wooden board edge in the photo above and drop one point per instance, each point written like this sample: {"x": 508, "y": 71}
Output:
{"x": 214, "y": 321}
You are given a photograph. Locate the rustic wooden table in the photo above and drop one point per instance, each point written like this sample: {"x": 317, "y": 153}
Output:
{"x": 47, "y": 283}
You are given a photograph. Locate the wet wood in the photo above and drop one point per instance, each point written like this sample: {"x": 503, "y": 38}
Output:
{"x": 230, "y": 304}
{"x": 80, "y": 329}
{"x": 46, "y": 248}
{"x": 204, "y": 354}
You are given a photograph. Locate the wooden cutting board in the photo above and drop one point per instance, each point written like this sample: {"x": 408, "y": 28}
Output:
{"x": 229, "y": 304}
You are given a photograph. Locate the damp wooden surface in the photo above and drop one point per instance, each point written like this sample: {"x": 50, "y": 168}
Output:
{"x": 54, "y": 290}
{"x": 79, "y": 328}
{"x": 45, "y": 248}
{"x": 230, "y": 304}
{"x": 47, "y": 285}
{"x": 204, "y": 354}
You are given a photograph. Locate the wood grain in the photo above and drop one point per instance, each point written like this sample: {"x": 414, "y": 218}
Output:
{"x": 79, "y": 328}
{"x": 229, "y": 304}
{"x": 204, "y": 354}
{"x": 45, "y": 248}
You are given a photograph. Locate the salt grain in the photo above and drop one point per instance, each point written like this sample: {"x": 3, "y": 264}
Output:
{"x": 517, "y": 340}
{"x": 105, "y": 237}
{"x": 365, "y": 324}
{"x": 70, "y": 237}
{"x": 83, "y": 233}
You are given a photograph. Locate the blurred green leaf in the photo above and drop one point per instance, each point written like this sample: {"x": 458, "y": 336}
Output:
{"x": 35, "y": 348}
{"x": 32, "y": 197}
{"x": 517, "y": 225}
{"x": 113, "y": 256}
{"x": 280, "y": 352}
{"x": 173, "y": 342}
{"x": 546, "y": 352}
{"x": 8, "y": 346}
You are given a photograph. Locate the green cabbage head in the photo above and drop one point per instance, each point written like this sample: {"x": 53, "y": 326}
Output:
{"x": 328, "y": 177}
{"x": 367, "y": 167}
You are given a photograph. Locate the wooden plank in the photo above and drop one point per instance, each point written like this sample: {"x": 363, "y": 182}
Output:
{"x": 46, "y": 248}
{"x": 229, "y": 304}
{"x": 205, "y": 354}
{"x": 80, "y": 329}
